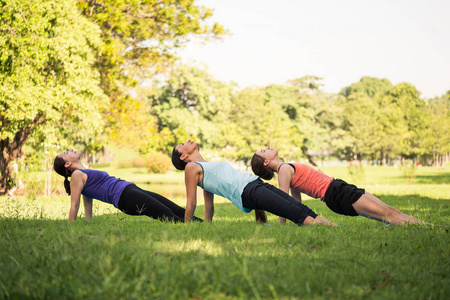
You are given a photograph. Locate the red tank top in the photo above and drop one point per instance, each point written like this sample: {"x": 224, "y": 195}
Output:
{"x": 309, "y": 181}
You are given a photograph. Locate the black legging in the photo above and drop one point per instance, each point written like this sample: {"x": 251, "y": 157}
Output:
{"x": 261, "y": 195}
{"x": 138, "y": 202}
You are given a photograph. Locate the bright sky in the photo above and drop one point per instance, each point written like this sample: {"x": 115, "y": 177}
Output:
{"x": 273, "y": 41}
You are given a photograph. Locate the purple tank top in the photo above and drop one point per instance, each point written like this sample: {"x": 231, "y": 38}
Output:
{"x": 99, "y": 185}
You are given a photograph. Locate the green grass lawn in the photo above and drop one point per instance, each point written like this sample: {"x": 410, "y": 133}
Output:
{"x": 115, "y": 256}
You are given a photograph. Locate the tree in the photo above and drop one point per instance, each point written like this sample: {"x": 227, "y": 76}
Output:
{"x": 255, "y": 120}
{"x": 363, "y": 124}
{"x": 369, "y": 86}
{"x": 314, "y": 114}
{"x": 436, "y": 138}
{"x": 412, "y": 116}
{"x": 47, "y": 83}
{"x": 368, "y": 129}
{"x": 140, "y": 40}
{"x": 190, "y": 105}
{"x": 384, "y": 120}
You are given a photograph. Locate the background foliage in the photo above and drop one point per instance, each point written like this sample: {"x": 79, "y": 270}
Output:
{"x": 48, "y": 88}
{"x": 98, "y": 74}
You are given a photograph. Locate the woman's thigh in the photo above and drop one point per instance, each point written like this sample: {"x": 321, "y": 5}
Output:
{"x": 178, "y": 210}
{"x": 139, "y": 202}
{"x": 279, "y": 203}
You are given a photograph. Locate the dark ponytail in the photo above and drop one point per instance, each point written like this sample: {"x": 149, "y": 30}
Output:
{"x": 176, "y": 160}
{"x": 58, "y": 166}
{"x": 260, "y": 216}
{"x": 260, "y": 169}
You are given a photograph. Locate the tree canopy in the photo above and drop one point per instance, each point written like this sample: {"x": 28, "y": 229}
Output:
{"x": 68, "y": 68}
{"x": 46, "y": 74}
{"x": 140, "y": 39}
{"x": 371, "y": 119}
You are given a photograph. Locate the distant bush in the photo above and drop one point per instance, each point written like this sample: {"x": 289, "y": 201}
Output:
{"x": 154, "y": 163}
{"x": 158, "y": 163}
{"x": 356, "y": 172}
{"x": 139, "y": 162}
{"x": 409, "y": 172}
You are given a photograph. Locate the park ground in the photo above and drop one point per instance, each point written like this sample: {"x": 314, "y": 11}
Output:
{"x": 115, "y": 256}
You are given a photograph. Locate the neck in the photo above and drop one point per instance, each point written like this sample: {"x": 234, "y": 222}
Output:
{"x": 275, "y": 164}
{"x": 76, "y": 166}
{"x": 195, "y": 157}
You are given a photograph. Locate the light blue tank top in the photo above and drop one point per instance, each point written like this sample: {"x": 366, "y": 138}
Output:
{"x": 222, "y": 179}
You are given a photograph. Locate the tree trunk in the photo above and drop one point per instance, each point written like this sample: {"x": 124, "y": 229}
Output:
{"x": 48, "y": 177}
{"x": 6, "y": 170}
{"x": 384, "y": 159}
{"x": 12, "y": 150}
{"x": 308, "y": 156}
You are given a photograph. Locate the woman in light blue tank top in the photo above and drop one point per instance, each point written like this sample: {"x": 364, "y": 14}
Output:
{"x": 124, "y": 195}
{"x": 246, "y": 191}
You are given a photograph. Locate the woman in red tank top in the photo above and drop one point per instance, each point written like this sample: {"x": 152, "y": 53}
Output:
{"x": 340, "y": 197}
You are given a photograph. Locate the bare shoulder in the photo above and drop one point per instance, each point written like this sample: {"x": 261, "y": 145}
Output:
{"x": 193, "y": 167}
{"x": 78, "y": 175}
{"x": 286, "y": 169}
{"x": 193, "y": 174}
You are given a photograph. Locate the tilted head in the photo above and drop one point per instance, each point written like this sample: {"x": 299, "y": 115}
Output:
{"x": 181, "y": 153}
{"x": 62, "y": 163}
{"x": 260, "y": 163}
{"x": 176, "y": 161}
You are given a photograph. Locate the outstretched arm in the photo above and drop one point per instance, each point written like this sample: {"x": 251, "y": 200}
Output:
{"x": 87, "y": 207}
{"x": 191, "y": 179}
{"x": 76, "y": 186}
{"x": 296, "y": 195}
{"x": 285, "y": 175}
{"x": 209, "y": 205}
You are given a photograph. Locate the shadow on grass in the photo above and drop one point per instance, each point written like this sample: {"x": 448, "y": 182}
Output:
{"x": 433, "y": 179}
{"x": 415, "y": 202}
{"x": 443, "y": 178}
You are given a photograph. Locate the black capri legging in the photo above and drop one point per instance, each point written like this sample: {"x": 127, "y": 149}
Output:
{"x": 138, "y": 202}
{"x": 261, "y": 195}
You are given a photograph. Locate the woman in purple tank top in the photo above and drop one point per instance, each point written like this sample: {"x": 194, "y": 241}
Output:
{"x": 124, "y": 195}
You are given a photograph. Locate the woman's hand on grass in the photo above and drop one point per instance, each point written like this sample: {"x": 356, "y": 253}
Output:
{"x": 318, "y": 220}
{"x": 322, "y": 220}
